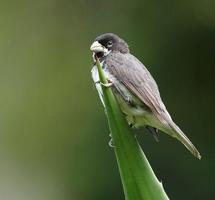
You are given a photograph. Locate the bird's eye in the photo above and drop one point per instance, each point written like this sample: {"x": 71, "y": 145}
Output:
{"x": 109, "y": 43}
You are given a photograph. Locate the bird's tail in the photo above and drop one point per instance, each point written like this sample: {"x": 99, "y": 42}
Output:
{"x": 177, "y": 133}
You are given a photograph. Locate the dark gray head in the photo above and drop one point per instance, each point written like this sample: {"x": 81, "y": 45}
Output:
{"x": 108, "y": 42}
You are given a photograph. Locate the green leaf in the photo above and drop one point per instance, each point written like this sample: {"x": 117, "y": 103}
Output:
{"x": 138, "y": 179}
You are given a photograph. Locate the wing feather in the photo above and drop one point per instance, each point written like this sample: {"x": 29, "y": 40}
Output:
{"x": 137, "y": 79}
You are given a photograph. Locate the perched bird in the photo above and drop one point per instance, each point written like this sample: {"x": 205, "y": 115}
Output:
{"x": 134, "y": 88}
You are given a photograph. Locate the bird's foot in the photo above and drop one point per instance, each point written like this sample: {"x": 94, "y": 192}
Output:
{"x": 111, "y": 143}
{"x": 107, "y": 85}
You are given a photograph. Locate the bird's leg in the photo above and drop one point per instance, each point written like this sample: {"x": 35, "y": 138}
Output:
{"x": 154, "y": 132}
{"x": 109, "y": 84}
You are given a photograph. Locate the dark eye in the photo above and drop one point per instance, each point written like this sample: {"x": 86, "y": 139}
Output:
{"x": 109, "y": 43}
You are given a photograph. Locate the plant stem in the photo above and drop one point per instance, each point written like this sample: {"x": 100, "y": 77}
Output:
{"x": 138, "y": 179}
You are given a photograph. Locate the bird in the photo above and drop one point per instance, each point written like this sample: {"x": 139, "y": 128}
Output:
{"x": 134, "y": 88}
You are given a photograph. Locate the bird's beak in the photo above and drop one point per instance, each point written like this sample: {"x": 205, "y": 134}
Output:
{"x": 97, "y": 47}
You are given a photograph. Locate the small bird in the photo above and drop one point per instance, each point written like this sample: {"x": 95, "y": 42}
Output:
{"x": 134, "y": 88}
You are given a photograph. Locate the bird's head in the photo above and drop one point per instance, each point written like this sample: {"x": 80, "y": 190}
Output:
{"x": 108, "y": 42}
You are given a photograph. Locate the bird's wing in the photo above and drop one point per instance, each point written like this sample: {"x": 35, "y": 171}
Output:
{"x": 137, "y": 79}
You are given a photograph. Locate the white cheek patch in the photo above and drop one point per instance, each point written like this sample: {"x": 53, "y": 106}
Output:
{"x": 106, "y": 51}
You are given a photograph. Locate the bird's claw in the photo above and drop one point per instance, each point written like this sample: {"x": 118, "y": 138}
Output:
{"x": 107, "y": 85}
{"x": 110, "y": 143}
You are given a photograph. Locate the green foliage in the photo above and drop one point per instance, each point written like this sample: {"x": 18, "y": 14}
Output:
{"x": 138, "y": 179}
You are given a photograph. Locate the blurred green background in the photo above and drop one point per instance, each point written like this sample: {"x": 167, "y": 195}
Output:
{"x": 53, "y": 131}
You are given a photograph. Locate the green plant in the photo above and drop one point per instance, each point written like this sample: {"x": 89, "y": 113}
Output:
{"x": 138, "y": 179}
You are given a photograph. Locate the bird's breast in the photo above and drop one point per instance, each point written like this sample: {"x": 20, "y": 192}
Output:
{"x": 96, "y": 79}
{"x": 129, "y": 104}
{"x": 120, "y": 91}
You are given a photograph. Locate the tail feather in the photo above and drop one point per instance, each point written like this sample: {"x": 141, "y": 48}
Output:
{"x": 177, "y": 133}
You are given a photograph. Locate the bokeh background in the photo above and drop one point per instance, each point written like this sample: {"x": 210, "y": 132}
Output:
{"x": 53, "y": 131}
